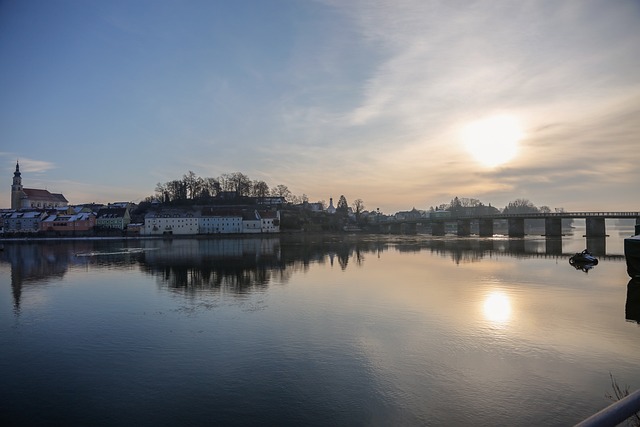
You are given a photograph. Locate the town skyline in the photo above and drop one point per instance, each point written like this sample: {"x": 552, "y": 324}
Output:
{"x": 401, "y": 106}
{"x": 204, "y": 190}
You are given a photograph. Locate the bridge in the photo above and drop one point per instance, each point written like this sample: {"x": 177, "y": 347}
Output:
{"x": 595, "y": 223}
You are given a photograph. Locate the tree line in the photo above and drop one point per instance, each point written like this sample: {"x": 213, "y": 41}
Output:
{"x": 202, "y": 189}
{"x": 464, "y": 206}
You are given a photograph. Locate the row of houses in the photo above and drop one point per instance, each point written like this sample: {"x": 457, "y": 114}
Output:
{"x": 76, "y": 220}
{"x": 209, "y": 220}
{"x": 82, "y": 220}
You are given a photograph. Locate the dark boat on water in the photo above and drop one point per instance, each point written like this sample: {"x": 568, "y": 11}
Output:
{"x": 583, "y": 260}
{"x": 583, "y": 257}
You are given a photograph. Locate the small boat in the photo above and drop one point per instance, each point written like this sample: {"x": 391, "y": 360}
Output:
{"x": 582, "y": 258}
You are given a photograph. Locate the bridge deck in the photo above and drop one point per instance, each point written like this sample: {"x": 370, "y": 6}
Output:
{"x": 567, "y": 215}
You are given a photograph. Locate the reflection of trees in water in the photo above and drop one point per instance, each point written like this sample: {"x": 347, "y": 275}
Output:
{"x": 341, "y": 249}
{"x": 244, "y": 266}
{"x": 238, "y": 276}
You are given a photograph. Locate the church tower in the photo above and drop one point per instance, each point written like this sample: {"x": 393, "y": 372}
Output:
{"x": 16, "y": 189}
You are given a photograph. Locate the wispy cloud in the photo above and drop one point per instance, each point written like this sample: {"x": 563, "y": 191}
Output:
{"x": 30, "y": 165}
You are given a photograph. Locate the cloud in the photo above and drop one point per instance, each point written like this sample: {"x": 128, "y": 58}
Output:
{"x": 31, "y": 165}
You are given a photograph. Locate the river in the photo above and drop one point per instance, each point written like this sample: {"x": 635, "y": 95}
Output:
{"x": 350, "y": 330}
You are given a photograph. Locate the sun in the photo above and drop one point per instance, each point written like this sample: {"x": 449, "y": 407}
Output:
{"x": 493, "y": 141}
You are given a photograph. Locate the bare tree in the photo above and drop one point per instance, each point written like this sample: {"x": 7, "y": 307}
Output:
{"x": 520, "y": 206}
{"x": 282, "y": 191}
{"x": 192, "y": 184}
{"x": 240, "y": 183}
{"x": 211, "y": 186}
{"x": 259, "y": 189}
{"x": 161, "y": 190}
{"x": 358, "y": 207}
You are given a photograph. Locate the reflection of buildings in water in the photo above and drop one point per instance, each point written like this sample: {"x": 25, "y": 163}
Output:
{"x": 632, "y": 305}
{"x": 33, "y": 264}
{"x": 194, "y": 251}
{"x": 38, "y": 262}
{"x": 238, "y": 265}
{"x": 242, "y": 265}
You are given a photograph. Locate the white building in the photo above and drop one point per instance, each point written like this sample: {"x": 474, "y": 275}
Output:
{"x": 213, "y": 221}
{"x": 172, "y": 222}
{"x": 270, "y": 221}
{"x": 251, "y": 222}
{"x": 210, "y": 221}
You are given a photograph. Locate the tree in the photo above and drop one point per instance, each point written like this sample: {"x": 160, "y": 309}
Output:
{"x": 281, "y": 191}
{"x": 455, "y": 207}
{"x": 343, "y": 206}
{"x": 225, "y": 181}
{"x": 358, "y": 207}
{"x": 520, "y": 206}
{"x": 192, "y": 184}
{"x": 211, "y": 186}
{"x": 240, "y": 183}
{"x": 176, "y": 190}
{"x": 161, "y": 190}
{"x": 259, "y": 189}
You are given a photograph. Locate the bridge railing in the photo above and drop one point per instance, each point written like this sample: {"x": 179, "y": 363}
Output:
{"x": 615, "y": 413}
{"x": 533, "y": 215}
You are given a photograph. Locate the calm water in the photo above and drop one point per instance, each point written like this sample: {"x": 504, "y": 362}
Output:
{"x": 405, "y": 330}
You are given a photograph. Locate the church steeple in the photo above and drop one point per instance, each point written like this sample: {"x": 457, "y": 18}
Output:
{"x": 17, "y": 179}
{"x": 16, "y": 188}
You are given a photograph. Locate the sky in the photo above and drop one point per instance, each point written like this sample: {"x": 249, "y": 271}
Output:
{"x": 399, "y": 103}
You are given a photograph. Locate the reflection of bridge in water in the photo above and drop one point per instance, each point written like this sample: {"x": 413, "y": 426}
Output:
{"x": 519, "y": 248}
{"x": 595, "y": 223}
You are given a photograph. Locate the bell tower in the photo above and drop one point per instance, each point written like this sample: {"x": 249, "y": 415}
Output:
{"x": 16, "y": 188}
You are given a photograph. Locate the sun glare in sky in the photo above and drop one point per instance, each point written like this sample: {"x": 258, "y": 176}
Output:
{"x": 492, "y": 141}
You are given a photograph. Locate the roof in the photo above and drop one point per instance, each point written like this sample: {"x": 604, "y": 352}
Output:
{"x": 25, "y": 214}
{"x": 269, "y": 215}
{"x": 69, "y": 217}
{"x": 173, "y": 213}
{"x": 112, "y": 213}
{"x": 250, "y": 216}
{"x": 209, "y": 211}
{"x": 44, "y": 195}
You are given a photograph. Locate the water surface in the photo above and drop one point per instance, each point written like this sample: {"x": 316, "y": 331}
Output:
{"x": 348, "y": 330}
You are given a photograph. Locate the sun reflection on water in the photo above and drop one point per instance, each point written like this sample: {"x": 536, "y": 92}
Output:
{"x": 497, "y": 307}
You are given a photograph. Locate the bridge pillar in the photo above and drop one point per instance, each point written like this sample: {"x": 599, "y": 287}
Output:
{"x": 595, "y": 227}
{"x": 464, "y": 227}
{"x": 553, "y": 227}
{"x": 485, "y": 227}
{"x": 516, "y": 227}
{"x": 437, "y": 228}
